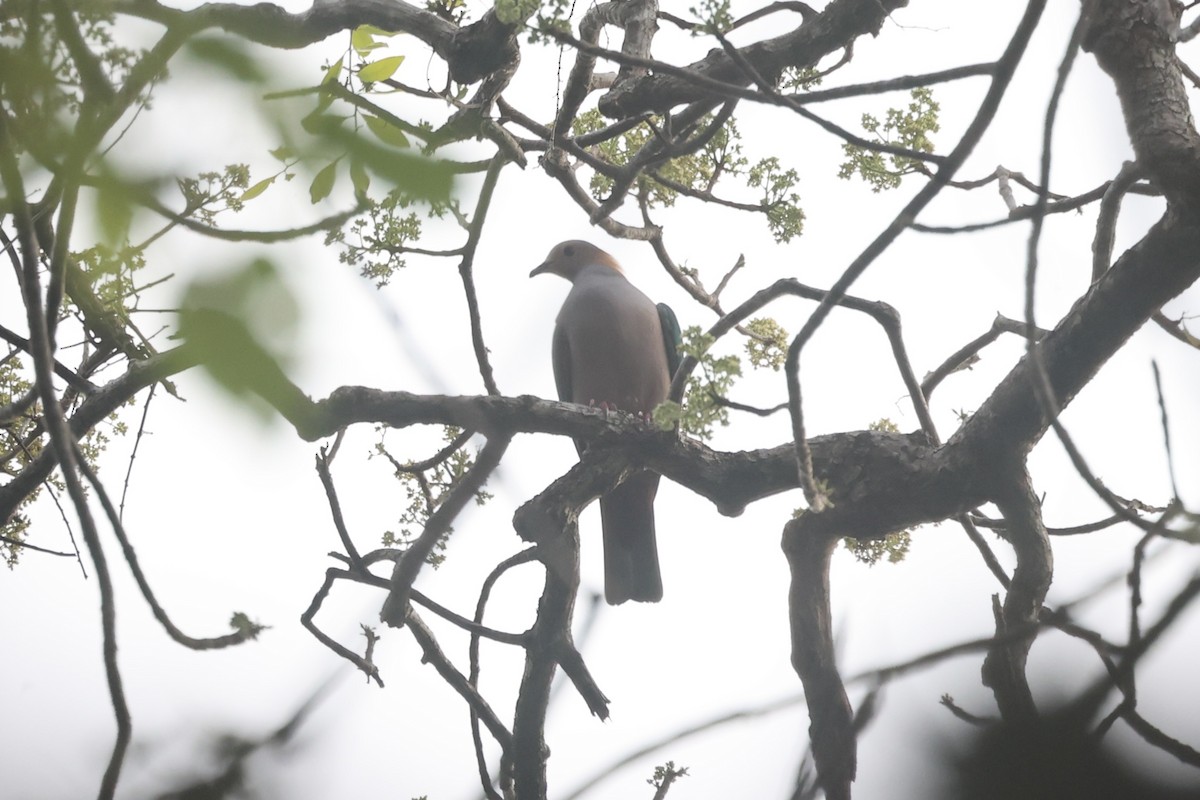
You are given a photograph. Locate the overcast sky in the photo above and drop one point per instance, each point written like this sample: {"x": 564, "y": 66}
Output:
{"x": 227, "y": 513}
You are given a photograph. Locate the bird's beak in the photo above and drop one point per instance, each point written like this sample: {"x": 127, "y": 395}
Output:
{"x": 540, "y": 269}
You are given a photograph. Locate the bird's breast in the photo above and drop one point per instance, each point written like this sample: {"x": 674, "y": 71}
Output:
{"x": 616, "y": 347}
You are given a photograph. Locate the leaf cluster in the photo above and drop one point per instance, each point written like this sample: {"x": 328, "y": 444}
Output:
{"x": 785, "y": 217}
{"x": 376, "y": 241}
{"x": 702, "y": 408}
{"x": 41, "y": 85}
{"x": 909, "y": 128}
{"x": 19, "y": 444}
{"x": 698, "y": 174}
{"x": 799, "y": 79}
{"x": 22, "y": 440}
{"x": 716, "y": 16}
{"x": 894, "y": 547}
{"x": 426, "y": 486}
{"x": 554, "y": 16}
{"x": 767, "y": 344}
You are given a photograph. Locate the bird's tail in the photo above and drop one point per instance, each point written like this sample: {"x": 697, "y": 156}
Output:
{"x": 630, "y": 548}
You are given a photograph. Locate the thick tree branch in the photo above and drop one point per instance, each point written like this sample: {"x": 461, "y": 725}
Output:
{"x": 808, "y": 544}
{"x": 471, "y": 52}
{"x": 1159, "y": 267}
{"x": 1134, "y": 43}
{"x": 838, "y": 25}
{"x": 1004, "y": 668}
{"x": 1005, "y": 68}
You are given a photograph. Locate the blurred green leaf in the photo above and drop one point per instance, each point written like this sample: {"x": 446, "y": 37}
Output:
{"x": 418, "y": 177}
{"x": 319, "y": 124}
{"x": 324, "y": 99}
{"x": 230, "y": 55}
{"x": 322, "y": 184}
{"x": 114, "y": 210}
{"x": 387, "y": 132}
{"x": 380, "y": 70}
{"x": 243, "y": 327}
{"x": 359, "y": 178}
{"x": 511, "y": 12}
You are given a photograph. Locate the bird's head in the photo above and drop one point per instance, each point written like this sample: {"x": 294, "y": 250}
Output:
{"x": 566, "y": 259}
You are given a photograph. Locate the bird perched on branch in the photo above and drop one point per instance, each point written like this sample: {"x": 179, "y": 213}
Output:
{"x": 615, "y": 348}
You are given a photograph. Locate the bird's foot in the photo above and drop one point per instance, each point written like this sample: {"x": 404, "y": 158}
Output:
{"x": 604, "y": 406}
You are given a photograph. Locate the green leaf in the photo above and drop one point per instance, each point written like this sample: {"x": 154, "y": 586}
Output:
{"x": 257, "y": 189}
{"x": 114, "y": 212}
{"x": 227, "y": 54}
{"x": 417, "y": 177}
{"x": 242, "y": 327}
{"x": 380, "y": 70}
{"x": 363, "y": 39}
{"x": 332, "y": 73}
{"x": 387, "y": 132}
{"x": 360, "y": 178}
{"x": 325, "y": 99}
{"x": 322, "y": 184}
{"x": 283, "y": 153}
{"x": 319, "y": 124}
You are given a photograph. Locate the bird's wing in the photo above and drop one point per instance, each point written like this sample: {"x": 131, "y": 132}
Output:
{"x": 672, "y": 337}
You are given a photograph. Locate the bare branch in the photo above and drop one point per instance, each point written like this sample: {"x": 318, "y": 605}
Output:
{"x": 63, "y": 446}
{"x": 240, "y": 635}
{"x": 983, "y": 118}
{"x": 407, "y": 568}
{"x": 432, "y": 654}
{"x": 465, "y": 271}
{"x": 968, "y": 354}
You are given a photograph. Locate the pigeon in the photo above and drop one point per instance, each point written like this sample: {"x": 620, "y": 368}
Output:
{"x": 614, "y": 348}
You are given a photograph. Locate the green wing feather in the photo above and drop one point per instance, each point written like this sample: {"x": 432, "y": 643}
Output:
{"x": 672, "y": 336}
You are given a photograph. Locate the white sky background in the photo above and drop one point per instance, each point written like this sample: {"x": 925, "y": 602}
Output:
{"x": 228, "y": 514}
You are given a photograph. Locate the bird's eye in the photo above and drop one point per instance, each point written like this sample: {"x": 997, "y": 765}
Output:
{"x": 568, "y": 251}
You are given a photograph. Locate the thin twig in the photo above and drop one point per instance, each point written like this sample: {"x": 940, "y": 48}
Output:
{"x": 307, "y": 620}
{"x": 11, "y": 542}
{"x": 523, "y": 557}
{"x": 241, "y": 635}
{"x": 335, "y": 508}
{"x": 137, "y": 441}
{"x": 989, "y": 558}
{"x": 432, "y": 654}
{"x": 468, "y": 279}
